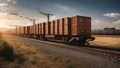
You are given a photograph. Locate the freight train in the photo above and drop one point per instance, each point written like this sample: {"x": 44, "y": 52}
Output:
{"x": 71, "y": 30}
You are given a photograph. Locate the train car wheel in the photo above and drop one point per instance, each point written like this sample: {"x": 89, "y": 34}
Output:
{"x": 73, "y": 41}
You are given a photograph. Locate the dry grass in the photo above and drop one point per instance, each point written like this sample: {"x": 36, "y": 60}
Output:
{"x": 64, "y": 62}
{"x": 28, "y": 56}
{"x": 106, "y": 40}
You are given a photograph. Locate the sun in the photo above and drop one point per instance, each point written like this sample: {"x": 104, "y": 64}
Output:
{"x": 3, "y": 23}
{"x": 4, "y": 26}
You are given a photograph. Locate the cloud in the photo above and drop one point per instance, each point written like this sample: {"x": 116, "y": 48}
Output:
{"x": 8, "y": 1}
{"x": 96, "y": 21}
{"x": 99, "y": 24}
{"x": 67, "y": 10}
{"x": 63, "y": 7}
{"x": 7, "y": 22}
{"x": 53, "y": 18}
{"x": 117, "y": 23}
{"x": 3, "y": 4}
{"x": 12, "y": 1}
{"x": 3, "y": 7}
{"x": 112, "y": 15}
{"x": 2, "y": 14}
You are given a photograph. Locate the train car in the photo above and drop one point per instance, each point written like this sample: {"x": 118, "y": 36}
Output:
{"x": 46, "y": 29}
{"x": 61, "y": 27}
{"x": 31, "y": 31}
{"x": 12, "y": 31}
{"x": 52, "y": 31}
{"x": 43, "y": 32}
{"x": 22, "y": 30}
{"x": 80, "y": 29}
{"x": 81, "y": 25}
{"x": 56, "y": 27}
{"x": 18, "y": 30}
{"x": 37, "y": 29}
{"x": 27, "y": 30}
{"x": 40, "y": 30}
{"x": 49, "y": 28}
{"x": 67, "y": 26}
{"x": 57, "y": 36}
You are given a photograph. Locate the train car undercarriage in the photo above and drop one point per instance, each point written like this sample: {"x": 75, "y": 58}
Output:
{"x": 73, "y": 40}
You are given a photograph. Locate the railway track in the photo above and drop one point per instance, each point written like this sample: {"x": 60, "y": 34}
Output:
{"x": 102, "y": 52}
{"x": 99, "y": 51}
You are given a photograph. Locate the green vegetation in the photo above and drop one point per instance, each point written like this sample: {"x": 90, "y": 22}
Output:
{"x": 70, "y": 65}
{"x": 33, "y": 59}
{"x": 6, "y": 51}
{"x": 20, "y": 58}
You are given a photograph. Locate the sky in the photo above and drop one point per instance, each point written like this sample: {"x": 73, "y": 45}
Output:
{"x": 104, "y": 13}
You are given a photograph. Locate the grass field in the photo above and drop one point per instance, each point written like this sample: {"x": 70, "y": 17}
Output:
{"x": 28, "y": 56}
{"x": 106, "y": 40}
